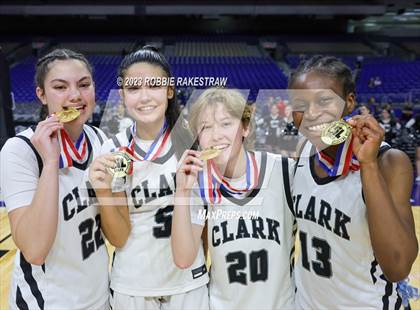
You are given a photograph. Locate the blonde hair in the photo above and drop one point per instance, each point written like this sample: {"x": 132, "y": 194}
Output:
{"x": 234, "y": 103}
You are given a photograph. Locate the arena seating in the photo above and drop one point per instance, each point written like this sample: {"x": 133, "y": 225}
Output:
{"x": 245, "y": 66}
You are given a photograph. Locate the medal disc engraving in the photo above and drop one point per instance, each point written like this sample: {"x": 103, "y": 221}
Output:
{"x": 336, "y": 133}
{"x": 122, "y": 165}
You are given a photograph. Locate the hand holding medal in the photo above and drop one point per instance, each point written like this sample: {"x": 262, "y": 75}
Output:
{"x": 123, "y": 165}
{"x": 190, "y": 164}
{"x": 98, "y": 171}
{"x": 45, "y": 139}
{"x": 364, "y": 131}
{"x": 368, "y": 136}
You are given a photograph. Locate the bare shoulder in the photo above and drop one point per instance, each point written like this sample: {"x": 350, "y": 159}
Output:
{"x": 397, "y": 171}
{"x": 395, "y": 161}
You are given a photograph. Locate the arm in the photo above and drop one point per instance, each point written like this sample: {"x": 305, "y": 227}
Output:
{"x": 113, "y": 207}
{"x": 34, "y": 226}
{"x": 386, "y": 186}
{"x": 185, "y": 236}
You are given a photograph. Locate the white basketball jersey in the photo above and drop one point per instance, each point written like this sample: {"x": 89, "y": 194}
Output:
{"x": 75, "y": 272}
{"x": 251, "y": 241}
{"x": 337, "y": 268}
{"x": 144, "y": 266}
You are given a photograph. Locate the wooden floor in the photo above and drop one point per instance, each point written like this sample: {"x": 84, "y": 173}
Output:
{"x": 8, "y": 250}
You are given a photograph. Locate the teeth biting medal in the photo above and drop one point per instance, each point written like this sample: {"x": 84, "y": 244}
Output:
{"x": 209, "y": 153}
{"x": 67, "y": 115}
{"x": 335, "y": 133}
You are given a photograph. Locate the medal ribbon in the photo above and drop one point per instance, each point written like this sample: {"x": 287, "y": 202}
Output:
{"x": 211, "y": 181}
{"x": 154, "y": 150}
{"x": 70, "y": 152}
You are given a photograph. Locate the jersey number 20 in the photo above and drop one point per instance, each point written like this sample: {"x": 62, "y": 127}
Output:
{"x": 258, "y": 266}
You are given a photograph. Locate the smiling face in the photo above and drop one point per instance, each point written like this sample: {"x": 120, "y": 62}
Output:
{"x": 68, "y": 83}
{"x": 317, "y": 101}
{"x": 219, "y": 129}
{"x": 146, "y": 104}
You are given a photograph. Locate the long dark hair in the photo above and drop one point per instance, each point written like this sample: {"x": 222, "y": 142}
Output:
{"x": 42, "y": 68}
{"x": 181, "y": 136}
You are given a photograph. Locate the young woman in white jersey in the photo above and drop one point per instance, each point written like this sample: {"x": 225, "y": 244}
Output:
{"x": 352, "y": 200}
{"x": 248, "y": 202}
{"x": 137, "y": 216}
{"x": 62, "y": 261}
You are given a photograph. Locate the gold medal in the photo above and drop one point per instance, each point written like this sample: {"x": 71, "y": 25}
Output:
{"x": 67, "y": 115}
{"x": 209, "y": 153}
{"x": 336, "y": 133}
{"x": 122, "y": 165}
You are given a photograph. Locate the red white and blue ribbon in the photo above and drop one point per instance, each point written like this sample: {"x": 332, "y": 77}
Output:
{"x": 211, "y": 181}
{"x": 344, "y": 161}
{"x": 154, "y": 150}
{"x": 70, "y": 151}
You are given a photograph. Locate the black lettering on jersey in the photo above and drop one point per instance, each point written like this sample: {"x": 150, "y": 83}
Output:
{"x": 325, "y": 215}
{"x": 242, "y": 230}
{"x": 273, "y": 233}
{"x": 91, "y": 194}
{"x": 91, "y": 235}
{"x": 73, "y": 204}
{"x": 258, "y": 228}
{"x": 255, "y": 228}
{"x": 235, "y": 269}
{"x": 322, "y": 264}
{"x": 136, "y": 202}
{"x": 80, "y": 205}
{"x": 68, "y": 213}
{"x": 149, "y": 194}
{"x": 341, "y": 220}
{"x": 163, "y": 216}
{"x": 310, "y": 210}
{"x": 165, "y": 190}
{"x": 174, "y": 178}
{"x": 215, "y": 241}
{"x": 258, "y": 266}
{"x": 149, "y": 198}
{"x": 296, "y": 200}
{"x": 226, "y": 237}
